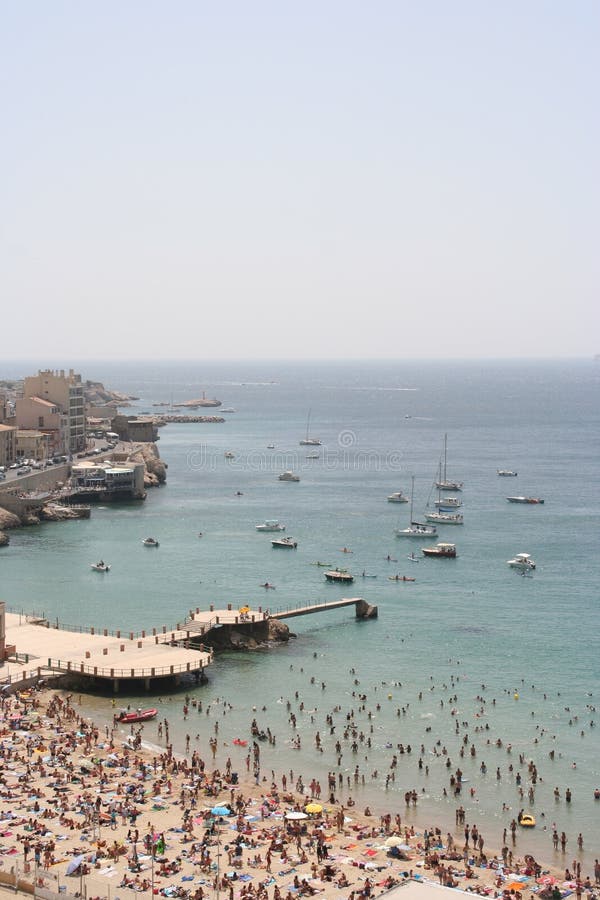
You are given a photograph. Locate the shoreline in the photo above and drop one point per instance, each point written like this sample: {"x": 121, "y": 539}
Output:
{"x": 140, "y": 789}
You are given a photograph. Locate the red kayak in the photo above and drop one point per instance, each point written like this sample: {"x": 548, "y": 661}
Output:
{"x": 138, "y": 715}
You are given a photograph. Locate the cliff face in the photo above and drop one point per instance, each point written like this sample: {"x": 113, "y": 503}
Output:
{"x": 156, "y": 469}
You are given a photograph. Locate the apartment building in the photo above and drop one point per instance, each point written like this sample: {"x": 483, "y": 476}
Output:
{"x": 65, "y": 392}
{"x": 35, "y": 414}
{"x": 8, "y": 444}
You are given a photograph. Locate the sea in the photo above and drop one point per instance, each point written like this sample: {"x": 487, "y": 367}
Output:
{"x": 470, "y": 665}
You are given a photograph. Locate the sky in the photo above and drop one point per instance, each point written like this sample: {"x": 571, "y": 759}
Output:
{"x": 299, "y": 180}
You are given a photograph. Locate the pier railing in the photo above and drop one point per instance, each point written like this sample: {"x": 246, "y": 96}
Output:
{"x": 67, "y": 666}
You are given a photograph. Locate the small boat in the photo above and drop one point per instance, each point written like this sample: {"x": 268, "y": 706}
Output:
{"x": 323, "y": 565}
{"x": 288, "y": 476}
{"x": 413, "y": 558}
{"x": 524, "y": 500}
{"x": 270, "y": 525}
{"x": 397, "y": 497}
{"x": 441, "y": 550}
{"x": 312, "y": 456}
{"x": 100, "y": 566}
{"x": 367, "y": 575}
{"x": 506, "y": 473}
{"x": 229, "y": 409}
{"x": 526, "y": 820}
{"x": 138, "y": 715}
{"x": 267, "y": 585}
{"x": 521, "y": 561}
{"x": 229, "y": 455}
{"x": 445, "y": 518}
{"x": 415, "y": 529}
{"x": 399, "y": 578}
{"x": 309, "y": 441}
{"x": 444, "y": 484}
{"x": 150, "y": 542}
{"x": 448, "y": 503}
{"x": 339, "y": 575}
{"x": 287, "y": 543}
{"x": 270, "y": 446}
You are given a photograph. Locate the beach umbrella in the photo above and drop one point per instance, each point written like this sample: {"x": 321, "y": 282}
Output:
{"x": 393, "y": 841}
{"x": 220, "y": 811}
{"x": 514, "y": 886}
{"x": 296, "y": 816}
{"x": 313, "y": 808}
{"x": 74, "y": 864}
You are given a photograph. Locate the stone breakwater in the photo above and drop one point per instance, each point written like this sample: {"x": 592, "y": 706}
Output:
{"x": 179, "y": 420}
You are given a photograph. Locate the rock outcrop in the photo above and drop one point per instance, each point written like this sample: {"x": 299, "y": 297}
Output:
{"x": 4, "y": 539}
{"x": 8, "y": 519}
{"x": 156, "y": 469}
{"x": 54, "y": 512}
{"x": 247, "y": 636}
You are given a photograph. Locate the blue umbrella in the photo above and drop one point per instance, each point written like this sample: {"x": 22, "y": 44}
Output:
{"x": 220, "y": 811}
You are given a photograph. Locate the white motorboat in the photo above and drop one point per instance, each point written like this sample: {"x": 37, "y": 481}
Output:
{"x": 270, "y": 525}
{"x": 445, "y": 518}
{"x": 415, "y": 529}
{"x": 506, "y": 473}
{"x": 441, "y": 551}
{"x": 448, "y": 503}
{"x": 397, "y": 497}
{"x": 270, "y": 446}
{"x": 288, "y": 476}
{"x": 444, "y": 484}
{"x": 150, "y": 542}
{"x": 522, "y": 561}
{"x": 286, "y": 543}
{"x": 100, "y": 566}
{"x": 229, "y": 455}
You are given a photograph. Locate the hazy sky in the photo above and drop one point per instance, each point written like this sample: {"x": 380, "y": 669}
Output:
{"x": 314, "y": 179}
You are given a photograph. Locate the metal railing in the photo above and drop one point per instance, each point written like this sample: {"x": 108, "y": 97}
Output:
{"x": 69, "y": 667}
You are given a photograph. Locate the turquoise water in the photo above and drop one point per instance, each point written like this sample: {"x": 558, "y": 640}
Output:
{"x": 461, "y": 625}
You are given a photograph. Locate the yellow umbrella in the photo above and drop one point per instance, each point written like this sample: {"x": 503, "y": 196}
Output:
{"x": 313, "y": 808}
{"x": 244, "y": 609}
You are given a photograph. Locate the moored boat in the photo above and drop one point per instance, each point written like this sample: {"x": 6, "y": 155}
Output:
{"x": 100, "y": 566}
{"x": 286, "y": 543}
{"x": 288, "y": 476}
{"x": 397, "y": 497}
{"x": 445, "y": 518}
{"x": 339, "y": 575}
{"x": 150, "y": 542}
{"x": 270, "y": 525}
{"x": 444, "y": 483}
{"x": 448, "y": 503}
{"x": 441, "y": 551}
{"x": 415, "y": 529}
{"x": 532, "y": 500}
{"x": 521, "y": 561}
{"x": 506, "y": 473}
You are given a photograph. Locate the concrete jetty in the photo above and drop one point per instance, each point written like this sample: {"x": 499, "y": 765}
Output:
{"x": 125, "y": 659}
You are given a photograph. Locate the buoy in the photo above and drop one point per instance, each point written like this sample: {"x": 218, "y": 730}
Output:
{"x": 389, "y": 696}
{"x": 516, "y": 696}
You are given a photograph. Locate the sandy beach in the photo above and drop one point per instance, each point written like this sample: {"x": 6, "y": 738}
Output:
{"x": 97, "y": 811}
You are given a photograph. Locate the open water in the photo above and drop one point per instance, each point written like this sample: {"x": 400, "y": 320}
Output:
{"x": 467, "y": 628}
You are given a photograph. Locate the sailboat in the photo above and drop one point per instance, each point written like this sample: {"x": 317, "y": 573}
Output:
{"x": 309, "y": 441}
{"x": 443, "y": 515}
{"x": 444, "y": 484}
{"x": 415, "y": 529}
